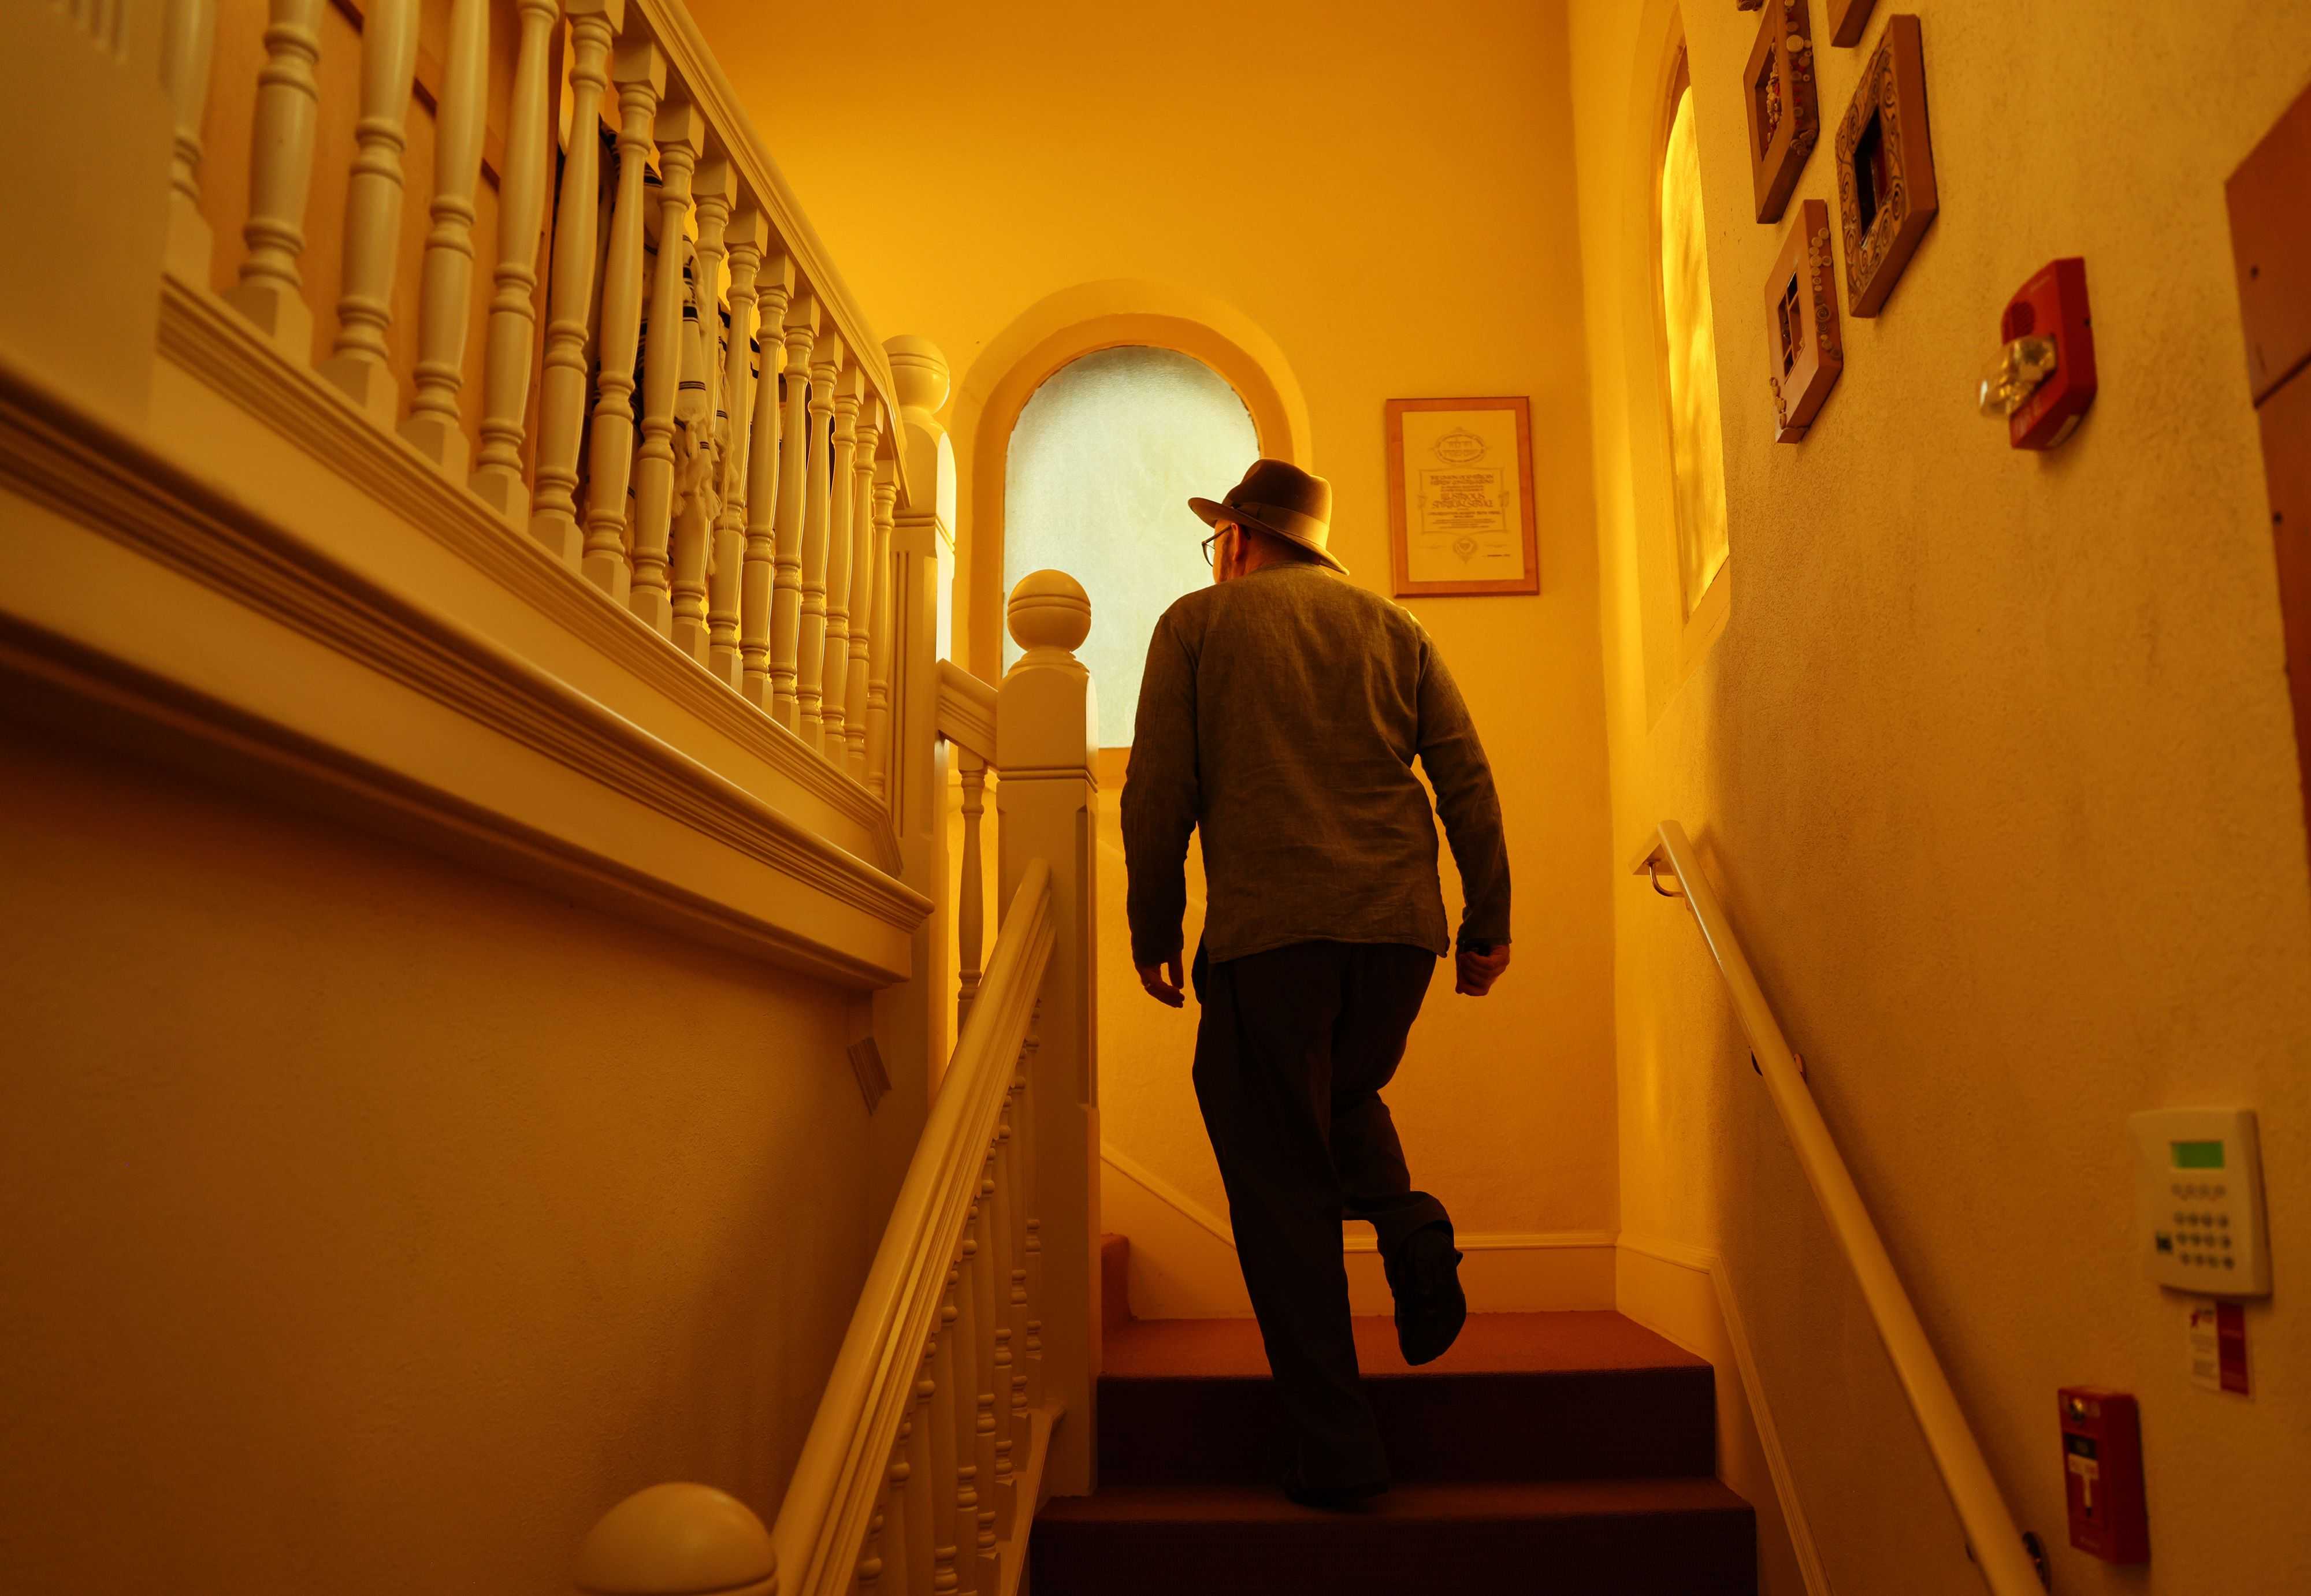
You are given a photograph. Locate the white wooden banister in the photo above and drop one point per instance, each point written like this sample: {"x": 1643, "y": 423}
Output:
{"x": 445, "y": 306}
{"x": 188, "y": 41}
{"x": 1996, "y": 1541}
{"x": 373, "y": 195}
{"x": 271, "y": 289}
{"x": 678, "y": 130}
{"x": 511, "y": 336}
{"x": 639, "y": 71}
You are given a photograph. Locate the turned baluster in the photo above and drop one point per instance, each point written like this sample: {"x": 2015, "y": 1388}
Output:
{"x": 445, "y": 303}
{"x": 724, "y": 602}
{"x": 271, "y": 292}
{"x": 800, "y": 435}
{"x": 1034, "y": 1256}
{"x": 884, "y": 643}
{"x": 810, "y": 679}
{"x": 841, "y": 546}
{"x": 639, "y": 73}
{"x": 513, "y": 308}
{"x": 679, "y": 126}
{"x": 971, "y": 912}
{"x": 562, "y": 387}
{"x": 996, "y": 1244}
{"x": 691, "y": 553}
{"x": 962, "y": 1391}
{"x": 957, "y": 1502}
{"x": 894, "y": 1549}
{"x": 1016, "y": 1154}
{"x": 866, "y": 585}
{"x": 978, "y": 1257}
{"x": 373, "y": 212}
{"x": 773, "y": 288}
{"x": 922, "y": 1510}
{"x": 187, "y": 38}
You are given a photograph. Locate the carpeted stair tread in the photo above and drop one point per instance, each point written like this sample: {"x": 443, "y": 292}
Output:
{"x": 1520, "y": 1396}
{"x": 1467, "y": 1501}
{"x": 1629, "y": 1538}
{"x": 1587, "y": 1342}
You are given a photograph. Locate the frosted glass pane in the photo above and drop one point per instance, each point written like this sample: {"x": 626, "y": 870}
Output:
{"x": 1697, "y": 437}
{"x": 1103, "y": 463}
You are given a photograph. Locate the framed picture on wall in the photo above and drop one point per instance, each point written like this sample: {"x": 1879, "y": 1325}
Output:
{"x": 1460, "y": 497}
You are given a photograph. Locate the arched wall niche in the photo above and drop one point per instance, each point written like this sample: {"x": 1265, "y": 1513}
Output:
{"x": 1052, "y": 333}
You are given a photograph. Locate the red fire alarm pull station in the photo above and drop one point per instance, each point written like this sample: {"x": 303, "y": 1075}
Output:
{"x": 2044, "y": 378}
{"x": 2102, "y": 1474}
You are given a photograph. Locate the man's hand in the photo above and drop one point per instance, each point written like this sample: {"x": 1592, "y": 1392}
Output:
{"x": 1163, "y": 981}
{"x": 1475, "y": 970}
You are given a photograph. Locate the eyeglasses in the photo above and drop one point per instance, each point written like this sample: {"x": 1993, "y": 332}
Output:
{"x": 1219, "y": 530}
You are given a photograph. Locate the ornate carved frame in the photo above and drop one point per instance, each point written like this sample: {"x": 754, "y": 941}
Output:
{"x": 1784, "y": 112}
{"x": 1890, "y": 200}
{"x": 1805, "y": 344}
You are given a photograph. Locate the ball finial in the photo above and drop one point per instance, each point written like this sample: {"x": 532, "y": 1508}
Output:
{"x": 678, "y": 1538}
{"x": 1049, "y": 610}
{"x": 919, "y": 369}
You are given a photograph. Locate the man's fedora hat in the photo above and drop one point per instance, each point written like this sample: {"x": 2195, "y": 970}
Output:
{"x": 1282, "y": 500}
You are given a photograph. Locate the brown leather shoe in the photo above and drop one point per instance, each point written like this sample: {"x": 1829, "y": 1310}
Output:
{"x": 1430, "y": 1305}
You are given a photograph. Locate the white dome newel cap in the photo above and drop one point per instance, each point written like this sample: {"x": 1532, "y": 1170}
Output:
{"x": 921, "y": 370}
{"x": 678, "y": 1539}
{"x": 1049, "y": 613}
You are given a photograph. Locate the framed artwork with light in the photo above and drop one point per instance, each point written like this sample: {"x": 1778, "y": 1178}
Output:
{"x": 1783, "y": 109}
{"x": 1886, "y": 191}
{"x": 1805, "y": 343}
{"x": 1460, "y": 497}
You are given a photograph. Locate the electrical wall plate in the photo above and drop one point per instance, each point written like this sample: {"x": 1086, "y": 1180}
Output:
{"x": 2198, "y": 1200}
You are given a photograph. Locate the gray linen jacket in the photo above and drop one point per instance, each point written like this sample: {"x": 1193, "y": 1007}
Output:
{"x": 1282, "y": 712}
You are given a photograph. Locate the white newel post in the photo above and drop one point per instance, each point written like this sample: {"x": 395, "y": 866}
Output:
{"x": 677, "y": 1537}
{"x": 85, "y": 200}
{"x": 914, "y": 776}
{"x": 1047, "y": 748}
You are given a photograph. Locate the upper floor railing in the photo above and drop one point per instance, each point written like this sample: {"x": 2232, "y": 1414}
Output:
{"x": 2008, "y": 1562}
{"x": 706, "y": 432}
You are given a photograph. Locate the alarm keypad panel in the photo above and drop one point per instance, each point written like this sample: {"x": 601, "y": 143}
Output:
{"x": 2199, "y": 1196}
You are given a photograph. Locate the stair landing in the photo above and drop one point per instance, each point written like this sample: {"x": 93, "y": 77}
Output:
{"x": 1543, "y": 1452}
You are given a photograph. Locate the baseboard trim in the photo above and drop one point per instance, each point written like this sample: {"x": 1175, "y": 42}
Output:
{"x": 1359, "y": 1239}
{"x": 1701, "y": 1260}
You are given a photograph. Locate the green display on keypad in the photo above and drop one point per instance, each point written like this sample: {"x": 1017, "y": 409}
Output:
{"x": 2197, "y": 1155}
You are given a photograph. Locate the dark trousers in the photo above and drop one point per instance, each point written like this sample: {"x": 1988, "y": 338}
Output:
{"x": 1292, "y": 1051}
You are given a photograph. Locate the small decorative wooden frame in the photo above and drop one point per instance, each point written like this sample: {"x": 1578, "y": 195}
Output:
{"x": 1847, "y": 19}
{"x": 1784, "y": 112}
{"x": 1804, "y": 339}
{"x": 1885, "y": 167}
{"x": 1460, "y": 497}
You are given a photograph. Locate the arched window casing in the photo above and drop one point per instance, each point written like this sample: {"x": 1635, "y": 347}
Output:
{"x": 1102, "y": 463}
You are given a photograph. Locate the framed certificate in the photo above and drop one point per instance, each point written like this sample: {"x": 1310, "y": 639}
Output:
{"x": 1460, "y": 505}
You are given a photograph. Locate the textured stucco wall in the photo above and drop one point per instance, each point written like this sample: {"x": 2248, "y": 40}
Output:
{"x": 1991, "y": 762}
{"x": 1388, "y": 197}
{"x": 372, "y": 1228}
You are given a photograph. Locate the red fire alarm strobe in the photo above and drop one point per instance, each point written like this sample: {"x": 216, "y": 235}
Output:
{"x": 2102, "y": 1474}
{"x": 2053, "y": 305}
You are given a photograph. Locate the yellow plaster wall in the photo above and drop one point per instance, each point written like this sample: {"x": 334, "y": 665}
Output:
{"x": 1386, "y": 197}
{"x": 1991, "y": 762}
{"x": 371, "y": 1227}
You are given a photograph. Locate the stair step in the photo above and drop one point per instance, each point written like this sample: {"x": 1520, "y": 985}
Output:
{"x": 1520, "y": 1396}
{"x": 1630, "y": 1537}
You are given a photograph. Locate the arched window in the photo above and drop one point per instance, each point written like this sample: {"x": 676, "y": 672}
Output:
{"x": 1697, "y": 433}
{"x": 1102, "y": 463}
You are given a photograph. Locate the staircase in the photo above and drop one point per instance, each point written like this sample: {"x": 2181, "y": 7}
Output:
{"x": 1572, "y": 1452}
